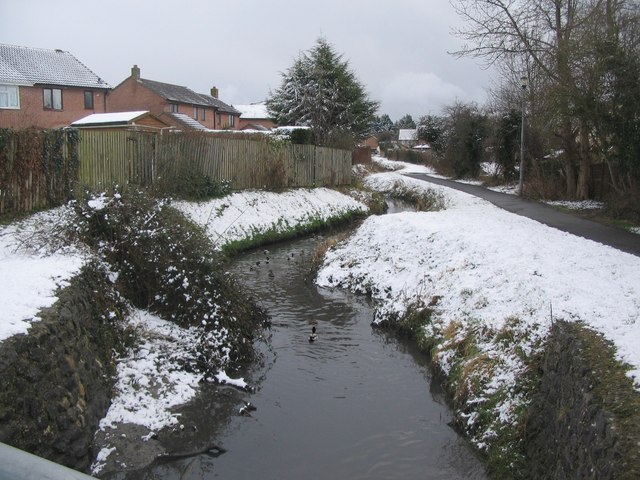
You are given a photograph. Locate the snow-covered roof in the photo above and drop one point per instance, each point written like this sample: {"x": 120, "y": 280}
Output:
{"x": 110, "y": 118}
{"x": 30, "y": 66}
{"x": 188, "y": 121}
{"x": 405, "y": 134}
{"x": 253, "y": 111}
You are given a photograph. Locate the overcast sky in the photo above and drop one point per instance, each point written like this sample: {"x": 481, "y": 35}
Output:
{"x": 398, "y": 49}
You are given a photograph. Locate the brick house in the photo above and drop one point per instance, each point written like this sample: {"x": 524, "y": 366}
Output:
{"x": 174, "y": 104}
{"x": 46, "y": 88}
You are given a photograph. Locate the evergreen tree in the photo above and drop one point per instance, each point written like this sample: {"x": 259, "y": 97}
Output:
{"x": 382, "y": 123}
{"x": 405, "y": 122}
{"x": 320, "y": 91}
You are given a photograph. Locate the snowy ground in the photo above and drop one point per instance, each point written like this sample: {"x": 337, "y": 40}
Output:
{"x": 484, "y": 266}
{"x": 30, "y": 274}
{"x": 489, "y": 264}
{"x": 243, "y": 214}
{"x": 488, "y": 270}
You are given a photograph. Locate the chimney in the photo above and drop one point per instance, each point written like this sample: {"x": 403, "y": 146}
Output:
{"x": 214, "y": 92}
{"x": 135, "y": 71}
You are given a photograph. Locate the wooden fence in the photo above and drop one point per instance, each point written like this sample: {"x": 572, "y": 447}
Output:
{"x": 38, "y": 169}
{"x": 140, "y": 158}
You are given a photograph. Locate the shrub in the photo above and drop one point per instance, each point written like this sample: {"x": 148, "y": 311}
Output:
{"x": 166, "y": 264}
{"x": 301, "y": 136}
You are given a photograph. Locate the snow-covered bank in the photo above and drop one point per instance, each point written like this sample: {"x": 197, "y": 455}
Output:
{"x": 486, "y": 264}
{"x": 150, "y": 383}
{"x": 243, "y": 215}
{"x": 30, "y": 274}
{"x": 488, "y": 275}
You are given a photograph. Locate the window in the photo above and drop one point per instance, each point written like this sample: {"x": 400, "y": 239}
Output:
{"x": 9, "y": 96}
{"x": 88, "y": 100}
{"x": 195, "y": 113}
{"x": 232, "y": 120}
{"x": 52, "y": 98}
{"x": 173, "y": 108}
{"x": 202, "y": 115}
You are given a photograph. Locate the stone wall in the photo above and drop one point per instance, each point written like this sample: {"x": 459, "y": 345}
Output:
{"x": 56, "y": 382}
{"x": 583, "y": 422}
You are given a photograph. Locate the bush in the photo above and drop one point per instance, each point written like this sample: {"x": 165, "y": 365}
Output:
{"x": 301, "y": 136}
{"x": 193, "y": 186}
{"x": 167, "y": 265}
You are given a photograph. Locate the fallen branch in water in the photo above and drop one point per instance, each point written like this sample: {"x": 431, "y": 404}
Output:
{"x": 212, "y": 450}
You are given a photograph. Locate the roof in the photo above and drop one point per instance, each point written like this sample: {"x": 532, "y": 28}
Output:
{"x": 180, "y": 94}
{"x": 187, "y": 121}
{"x": 253, "y": 111}
{"x": 30, "y": 66}
{"x": 119, "y": 118}
{"x": 405, "y": 134}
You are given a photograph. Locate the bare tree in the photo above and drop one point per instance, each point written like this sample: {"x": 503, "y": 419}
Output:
{"x": 549, "y": 39}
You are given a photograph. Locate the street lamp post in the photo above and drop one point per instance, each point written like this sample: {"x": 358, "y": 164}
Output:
{"x": 524, "y": 82}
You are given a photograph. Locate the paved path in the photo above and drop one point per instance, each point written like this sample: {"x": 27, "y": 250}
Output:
{"x": 615, "y": 237}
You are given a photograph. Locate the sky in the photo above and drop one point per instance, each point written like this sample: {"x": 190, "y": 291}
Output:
{"x": 398, "y": 50}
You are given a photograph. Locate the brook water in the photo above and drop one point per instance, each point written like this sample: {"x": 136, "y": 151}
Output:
{"x": 358, "y": 403}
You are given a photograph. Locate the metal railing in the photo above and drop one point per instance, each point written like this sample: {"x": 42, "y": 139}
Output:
{"x": 17, "y": 464}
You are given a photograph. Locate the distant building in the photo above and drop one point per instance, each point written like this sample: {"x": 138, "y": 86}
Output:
{"x": 46, "y": 88}
{"x": 408, "y": 137}
{"x": 174, "y": 104}
{"x": 254, "y": 117}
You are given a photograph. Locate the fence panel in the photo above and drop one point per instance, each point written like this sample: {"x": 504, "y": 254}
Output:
{"x": 123, "y": 158}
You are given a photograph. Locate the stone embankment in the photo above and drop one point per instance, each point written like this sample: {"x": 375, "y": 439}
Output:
{"x": 56, "y": 381}
{"x": 584, "y": 421}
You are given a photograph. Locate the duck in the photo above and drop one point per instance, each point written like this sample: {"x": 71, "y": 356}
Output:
{"x": 313, "y": 336}
{"x": 246, "y": 409}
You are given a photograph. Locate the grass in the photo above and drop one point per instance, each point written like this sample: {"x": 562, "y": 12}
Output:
{"x": 616, "y": 395}
{"x": 284, "y": 231}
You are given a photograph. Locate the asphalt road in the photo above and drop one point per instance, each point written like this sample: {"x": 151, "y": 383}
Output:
{"x": 614, "y": 237}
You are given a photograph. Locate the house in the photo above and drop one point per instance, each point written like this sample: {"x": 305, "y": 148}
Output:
{"x": 371, "y": 142}
{"x": 407, "y": 137}
{"x": 138, "y": 121}
{"x": 173, "y": 104}
{"x": 254, "y": 116}
{"x": 46, "y": 88}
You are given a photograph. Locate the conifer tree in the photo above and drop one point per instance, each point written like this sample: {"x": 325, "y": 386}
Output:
{"x": 320, "y": 91}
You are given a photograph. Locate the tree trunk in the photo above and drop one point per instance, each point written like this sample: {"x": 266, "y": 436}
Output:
{"x": 584, "y": 174}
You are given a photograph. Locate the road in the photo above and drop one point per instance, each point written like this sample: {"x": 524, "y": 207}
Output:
{"x": 614, "y": 237}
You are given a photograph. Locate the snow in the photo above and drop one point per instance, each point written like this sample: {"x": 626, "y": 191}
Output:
{"x": 480, "y": 266}
{"x": 406, "y": 134}
{"x": 487, "y": 265}
{"x": 253, "y": 111}
{"x": 102, "y": 118}
{"x": 247, "y": 213}
{"x": 577, "y": 205}
{"x": 30, "y": 277}
{"x": 149, "y": 381}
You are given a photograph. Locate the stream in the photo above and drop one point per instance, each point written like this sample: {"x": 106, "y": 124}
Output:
{"x": 358, "y": 403}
